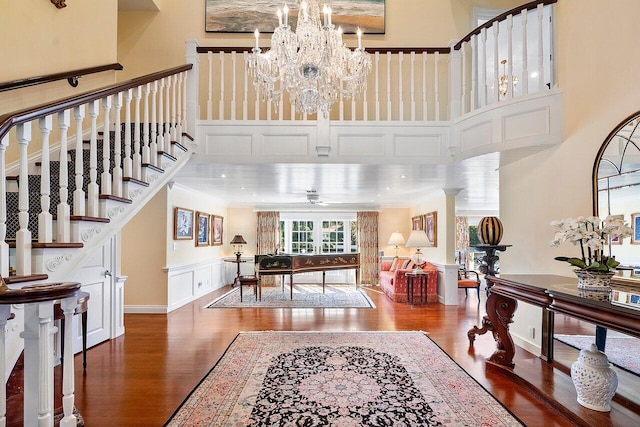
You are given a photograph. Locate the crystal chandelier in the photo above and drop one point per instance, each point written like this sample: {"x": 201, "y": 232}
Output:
{"x": 312, "y": 64}
{"x": 503, "y": 82}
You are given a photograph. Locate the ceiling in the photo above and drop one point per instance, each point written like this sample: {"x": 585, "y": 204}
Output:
{"x": 284, "y": 186}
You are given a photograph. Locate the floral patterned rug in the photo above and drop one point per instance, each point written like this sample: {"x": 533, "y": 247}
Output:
{"x": 623, "y": 352}
{"x": 338, "y": 379}
{"x": 304, "y": 296}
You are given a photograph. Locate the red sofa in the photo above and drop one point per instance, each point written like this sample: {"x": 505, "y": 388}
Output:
{"x": 393, "y": 281}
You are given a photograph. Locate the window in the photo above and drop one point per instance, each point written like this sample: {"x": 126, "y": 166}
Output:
{"x": 302, "y": 237}
{"x": 316, "y": 232}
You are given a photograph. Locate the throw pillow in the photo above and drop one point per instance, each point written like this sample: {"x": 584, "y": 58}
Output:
{"x": 385, "y": 265}
{"x": 397, "y": 262}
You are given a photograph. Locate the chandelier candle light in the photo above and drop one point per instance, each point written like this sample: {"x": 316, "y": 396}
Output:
{"x": 312, "y": 64}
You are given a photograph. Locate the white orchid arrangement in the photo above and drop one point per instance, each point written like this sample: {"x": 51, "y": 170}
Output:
{"x": 593, "y": 235}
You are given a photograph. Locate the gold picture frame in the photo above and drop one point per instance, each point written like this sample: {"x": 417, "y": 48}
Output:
{"x": 182, "y": 224}
{"x": 217, "y": 230}
{"x": 430, "y": 222}
{"x": 417, "y": 223}
{"x": 202, "y": 220}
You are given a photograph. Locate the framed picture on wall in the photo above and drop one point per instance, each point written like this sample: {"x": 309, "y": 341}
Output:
{"x": 635, "y": 224}
{"x": 242, "y": 16}
{"x": 182, "y": 224}
{"x": 431, "y": 227}
{"x": 202, "y": 220}
{"x": 417, "y": 223}
{"x": 216, "y": 230}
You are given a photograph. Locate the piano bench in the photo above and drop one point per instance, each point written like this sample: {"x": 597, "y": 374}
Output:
{"x": 251, "y": 281}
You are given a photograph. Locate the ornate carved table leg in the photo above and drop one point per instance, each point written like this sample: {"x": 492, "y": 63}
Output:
{"x": 486, "y": 326}
{"x": 500, "y": 311}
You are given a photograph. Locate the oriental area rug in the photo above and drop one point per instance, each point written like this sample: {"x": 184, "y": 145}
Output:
{"x": 623, "y": 352}
{"x": 338, "y": 379}
{"x": 304, "y": 296}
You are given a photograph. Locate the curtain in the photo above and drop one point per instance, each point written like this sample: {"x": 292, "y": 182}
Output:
{"x": 268, "y": 236}
{"x": 368, "y": 245}
{"x": 462, "y": 240}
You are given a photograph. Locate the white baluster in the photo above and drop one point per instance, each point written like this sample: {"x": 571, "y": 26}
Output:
{"x": 540, "y": 10}
{"x": 160, "y": 117}
{"x": 210, "y": 90}
{"x": 23, "y": 235}
{"x": 510, "y": 87}
{"x": 400, "y": 94}
{"x": 482, "y": 85}
{"x": 463, "y": 95}
{"x": 425, "y": 104}
{"x": 167, "y": 116}
{"x": 5, "y": 312}
{"x": 174, "y": 108}
{"x": 377, "y": 86}
{"x": 179, "y": 110}
{"x": 474, "y": 73}
{"x": 4, "y": 247}
{"x": 137, "y": 135}
{"x": 413, "y": 86}
{"x": 221, "y": 102}
{"x": 496, "y": 61}
{"x": 68, "y": 306}
{"x": 437, "y": 86}
{"x": 153, "y": 133}
{"x": 525, "y": 64}
{"x": 93, "y": 208}
{"x": 63, "y": 221}
{"x": 78, "y": 194}
{"x": 117, "y": 147}
{"x": 389, "y": 117}
{"x": 146, "y": 126}
{"x": 45, "y": 221}
{"x": 245, "y": 83}
{"x": 233, "y": 86}
{"x": 185, "y": 116}
{"x": 105, "y": 177}
{"x": 128, "y": 167}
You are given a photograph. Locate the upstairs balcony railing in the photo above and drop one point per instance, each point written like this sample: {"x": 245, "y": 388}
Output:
{"x": 507, "y": 57}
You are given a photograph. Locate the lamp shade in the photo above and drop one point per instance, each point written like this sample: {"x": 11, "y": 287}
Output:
{"x": 418, "y": 239}
{"x": 396, "y": 239}
{"x": 238, "y": 240}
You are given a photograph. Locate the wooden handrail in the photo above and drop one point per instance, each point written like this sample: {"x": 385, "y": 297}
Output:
{"x": 7, "y": 121}
{"x": 502, "y": 17}
{"x": 32, "y": 81}
{"x": 394, "y": 50}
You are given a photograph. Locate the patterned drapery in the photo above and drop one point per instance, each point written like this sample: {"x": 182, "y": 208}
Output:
{"x": 268, "y": 236}
{"x": 462, "y": 239}
{"x": 368, "y": 244}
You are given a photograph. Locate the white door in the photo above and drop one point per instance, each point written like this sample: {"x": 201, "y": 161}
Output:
{"x": 97, "y": 279}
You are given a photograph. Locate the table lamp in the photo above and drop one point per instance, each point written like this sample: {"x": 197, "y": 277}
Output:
{"x": 418, "y": 239}
{"x": 396, "y": 239}
{"x": 237, "y": 243}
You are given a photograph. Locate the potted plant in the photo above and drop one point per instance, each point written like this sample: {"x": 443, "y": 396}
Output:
{"x": 593, "y": 235}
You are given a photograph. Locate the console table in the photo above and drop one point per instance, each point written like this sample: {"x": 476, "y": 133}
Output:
{"x": 555, "y": 294}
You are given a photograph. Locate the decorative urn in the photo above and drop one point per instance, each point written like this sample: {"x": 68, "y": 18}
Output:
{"x": 490, "y": 230}
{"x": 594, "y": 380}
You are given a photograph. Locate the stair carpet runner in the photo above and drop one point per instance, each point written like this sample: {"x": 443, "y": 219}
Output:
{"x": 34, "y": 182}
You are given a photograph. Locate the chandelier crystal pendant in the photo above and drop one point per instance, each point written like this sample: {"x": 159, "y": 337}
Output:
{"x": 503, "y": 82}
{"x": 312, "y": 64}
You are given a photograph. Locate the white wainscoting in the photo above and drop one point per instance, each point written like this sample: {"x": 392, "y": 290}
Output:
{"x": 186, "y": 283}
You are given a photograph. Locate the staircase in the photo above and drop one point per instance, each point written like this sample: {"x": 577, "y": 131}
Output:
{"x": 63, "y": 203}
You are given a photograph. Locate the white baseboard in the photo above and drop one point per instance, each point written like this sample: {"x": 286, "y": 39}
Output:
{"x": 531, "y": 347}
{"x": 145, "y": 309}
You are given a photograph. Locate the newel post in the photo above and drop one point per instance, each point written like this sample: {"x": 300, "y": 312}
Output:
{"x": 193, "y": 109}
{"x": 455, "y": 82}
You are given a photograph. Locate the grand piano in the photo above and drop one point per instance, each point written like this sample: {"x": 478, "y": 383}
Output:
{"x": 288, "y": 264}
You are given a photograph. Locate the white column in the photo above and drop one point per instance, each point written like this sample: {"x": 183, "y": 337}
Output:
{"x": 92, "y": 188}
{"x": 63, "y": 211}
{"x": 68, "y": 306}
{"x": 78, "y": 194}
{"x": 45, "y": 220}
{"x": 23, "y": 235}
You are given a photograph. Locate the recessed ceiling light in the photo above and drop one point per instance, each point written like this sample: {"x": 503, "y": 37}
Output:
{"x": 242, "y": 188}
{"x": 403, "y": 176}
{"x": 388, "y": 188}
{"x": 223, "y": 175}
{"x": 534, "y": 74}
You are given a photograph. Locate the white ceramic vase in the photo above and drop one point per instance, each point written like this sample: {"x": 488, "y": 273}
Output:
{"x": 594, "y": 380}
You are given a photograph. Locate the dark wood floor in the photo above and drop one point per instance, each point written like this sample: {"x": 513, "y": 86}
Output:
{"x": 140, "y": 378}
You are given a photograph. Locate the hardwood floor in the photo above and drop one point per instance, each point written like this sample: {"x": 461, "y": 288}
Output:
{"x": 140, "y": 378}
